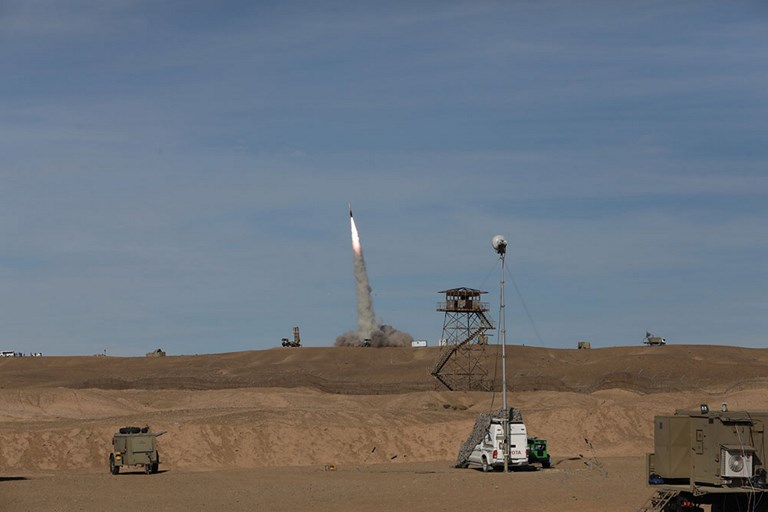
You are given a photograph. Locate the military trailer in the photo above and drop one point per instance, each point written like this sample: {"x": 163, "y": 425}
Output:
{"x": 134, "y": 446}
{"x": 705, "y": 457}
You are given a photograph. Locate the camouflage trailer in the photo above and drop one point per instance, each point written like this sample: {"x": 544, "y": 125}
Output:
{"x": 134, "y": 446}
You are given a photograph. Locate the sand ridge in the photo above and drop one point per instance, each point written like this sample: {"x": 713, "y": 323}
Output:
{"x": 349, "y": 370}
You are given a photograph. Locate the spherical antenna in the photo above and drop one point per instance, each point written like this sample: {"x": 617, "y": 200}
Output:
{"x": 499, "y": 244}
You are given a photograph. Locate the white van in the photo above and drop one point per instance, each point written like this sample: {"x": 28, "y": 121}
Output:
{"x": 489, "y": 453}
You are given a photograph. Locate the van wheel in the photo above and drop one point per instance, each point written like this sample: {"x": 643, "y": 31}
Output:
{"x": 486, "y": 467}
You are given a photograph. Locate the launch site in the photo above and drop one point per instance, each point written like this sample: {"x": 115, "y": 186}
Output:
{"x": 448, "y": 255}
{"x": 348, "y": 428}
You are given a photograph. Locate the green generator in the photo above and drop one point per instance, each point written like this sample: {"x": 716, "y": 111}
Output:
{"x": 537, "y": 452}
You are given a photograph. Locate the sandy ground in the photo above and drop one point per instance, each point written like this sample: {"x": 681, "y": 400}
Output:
{"x": 254, "y": 430}
{"x": 424, "y": 486}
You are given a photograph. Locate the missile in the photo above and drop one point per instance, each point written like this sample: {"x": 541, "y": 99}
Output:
{"x": 350, "y": 210}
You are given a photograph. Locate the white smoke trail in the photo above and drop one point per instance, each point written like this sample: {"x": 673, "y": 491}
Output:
{"x": 366, "y": 319}
{"x": 369, "y": 331}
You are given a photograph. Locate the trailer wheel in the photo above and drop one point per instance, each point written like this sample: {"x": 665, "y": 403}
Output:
{"x": 112, "y": 467}
{"x": 486, "y": 467}
{"x": 546, "y": 463}
{"x": 156, "y": 464}
{"x": 147, "y": 469}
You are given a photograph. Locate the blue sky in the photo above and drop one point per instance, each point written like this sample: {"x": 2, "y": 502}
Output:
{"x": 176, "y": 174}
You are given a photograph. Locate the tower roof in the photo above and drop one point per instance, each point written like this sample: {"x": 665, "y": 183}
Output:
{"x": 464, "y": 291}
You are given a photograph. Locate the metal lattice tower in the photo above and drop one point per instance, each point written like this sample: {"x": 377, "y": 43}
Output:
{"x": 461, "y": 364}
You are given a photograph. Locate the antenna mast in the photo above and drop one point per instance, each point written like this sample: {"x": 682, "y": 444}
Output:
{"x": 500, "y": 246}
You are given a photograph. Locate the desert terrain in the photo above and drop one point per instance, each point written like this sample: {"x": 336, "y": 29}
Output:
{"x": 259, "y": 430}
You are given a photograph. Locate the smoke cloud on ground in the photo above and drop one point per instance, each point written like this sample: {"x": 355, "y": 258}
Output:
{"x": 383, "y": 336}
{"x": 369, "y": 331}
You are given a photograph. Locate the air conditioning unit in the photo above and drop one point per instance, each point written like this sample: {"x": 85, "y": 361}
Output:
{"x": 736, "y": 461}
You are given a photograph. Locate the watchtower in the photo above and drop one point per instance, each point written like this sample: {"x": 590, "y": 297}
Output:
{"x": 461, "y": 363}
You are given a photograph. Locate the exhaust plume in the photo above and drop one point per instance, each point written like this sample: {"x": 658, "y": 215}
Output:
{"x": 369, "y": 331}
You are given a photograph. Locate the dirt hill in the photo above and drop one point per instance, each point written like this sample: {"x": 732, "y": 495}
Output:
{"x": 401, "y": 370}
